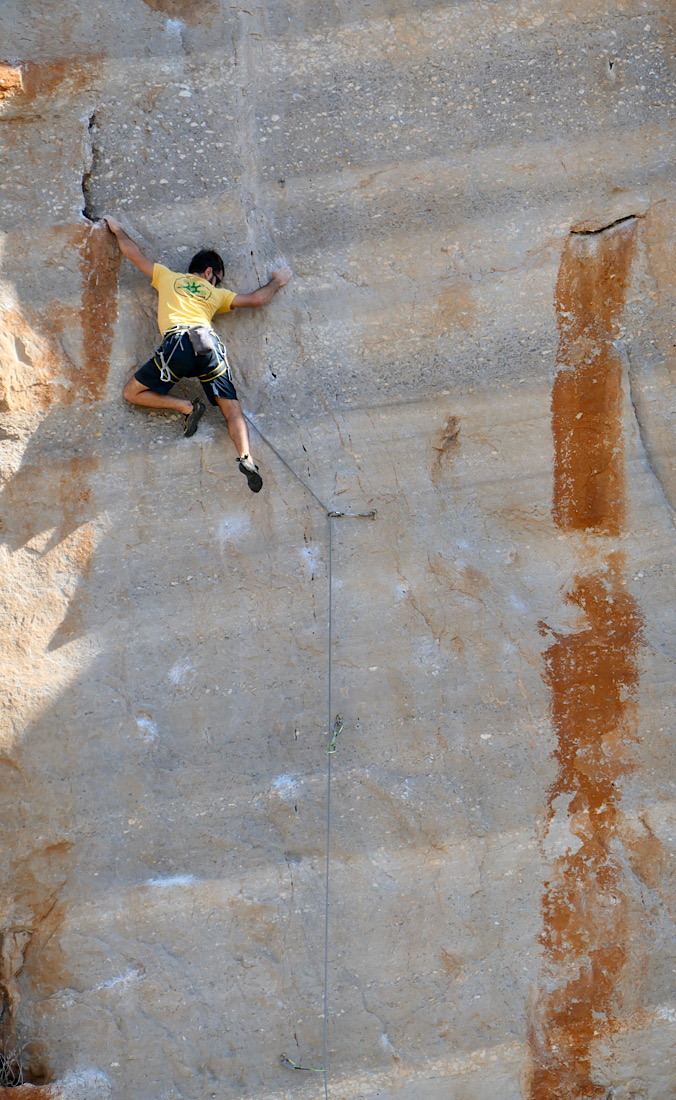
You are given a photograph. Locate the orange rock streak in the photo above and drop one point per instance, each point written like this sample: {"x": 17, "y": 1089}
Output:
{"x": 593, "y": 676}
{"x": 100, "y": 263}
{"x": 587, "y": 395}
{"x": 10, "y": 80}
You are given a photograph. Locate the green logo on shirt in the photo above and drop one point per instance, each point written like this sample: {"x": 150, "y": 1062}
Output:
{"x": 187, "y": 286}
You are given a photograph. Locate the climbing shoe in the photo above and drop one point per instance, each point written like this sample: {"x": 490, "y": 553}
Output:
{"x": 250, "y": 470}
{"x": 193, "y": 418}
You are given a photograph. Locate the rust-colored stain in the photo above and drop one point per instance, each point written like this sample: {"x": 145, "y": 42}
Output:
{"x": 451, "y": 964}
{"x": 100, "y": 260}
{"x": 35, "y": 371}
{"x": 46, "y": 963}
{"x": 587, "y": 395}
{"x": 446, "y": 441}
{"x": 593, "y": 676}
{"x": 67, "y": 75}
{"x": 188, "y": 11}
{"x": 10, "y": 81}
{"x": 460, "y": 578}
{"x": 27, "y": 1092}
{"x": 455, "y": 306}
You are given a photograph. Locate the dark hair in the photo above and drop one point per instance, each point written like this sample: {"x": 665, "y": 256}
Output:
{"x": 204, "y": 259}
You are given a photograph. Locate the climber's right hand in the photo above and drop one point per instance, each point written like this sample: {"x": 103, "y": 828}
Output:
{"x": 113, "y": 224}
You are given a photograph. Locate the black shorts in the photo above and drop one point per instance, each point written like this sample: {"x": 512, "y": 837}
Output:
{"x": 183, "y": 363}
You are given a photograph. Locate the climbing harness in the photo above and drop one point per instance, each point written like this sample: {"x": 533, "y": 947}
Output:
{"x": 198, "y": 340}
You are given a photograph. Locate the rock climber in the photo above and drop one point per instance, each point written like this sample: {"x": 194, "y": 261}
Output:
{"x": 190, "y": 348}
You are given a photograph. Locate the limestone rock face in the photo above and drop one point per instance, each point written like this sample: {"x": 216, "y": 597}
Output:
{"x": 478, "y": 200}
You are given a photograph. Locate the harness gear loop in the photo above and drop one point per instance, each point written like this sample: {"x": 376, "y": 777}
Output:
{"x": 165, "y": 374}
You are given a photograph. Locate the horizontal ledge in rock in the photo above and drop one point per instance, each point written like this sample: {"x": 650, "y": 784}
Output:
{"x": 589, "y": 228}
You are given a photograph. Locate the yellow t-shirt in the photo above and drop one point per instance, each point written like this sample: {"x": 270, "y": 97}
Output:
{"x": 187, "y": 299}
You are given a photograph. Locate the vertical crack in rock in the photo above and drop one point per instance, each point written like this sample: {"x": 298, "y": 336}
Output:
{"x": 21, "y": 1064}
{"x": 593, "y": 677}
{"x": 445, "y": 442}
{"x": 88, "y": 209}
{"x": 13, "y": 943}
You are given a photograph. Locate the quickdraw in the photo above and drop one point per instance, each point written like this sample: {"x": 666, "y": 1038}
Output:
{"x": 337, "y": 728}
{"x": 286, "y": 1061}
{"x": 165, "y": 374}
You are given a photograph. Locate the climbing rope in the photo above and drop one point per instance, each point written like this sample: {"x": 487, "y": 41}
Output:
{"x": 331, "y": 513}
{"x": 328, "y": 821}
{"x": 334, "y": 729}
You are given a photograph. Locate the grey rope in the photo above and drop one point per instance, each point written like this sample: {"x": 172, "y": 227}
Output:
{"x": 329, "y": 511}
{"x": 328, "y": 819}
{"x": 334, "y": 729}
{"x": 284, "y": 462}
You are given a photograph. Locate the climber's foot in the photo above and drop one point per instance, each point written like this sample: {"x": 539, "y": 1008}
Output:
{"x": 250, "y": 470}
{"x": 193, "y": 418}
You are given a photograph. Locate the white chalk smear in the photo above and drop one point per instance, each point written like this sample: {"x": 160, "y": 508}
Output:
{"x": 180, "y": 670}
{"x": 147, "y": 729}
{"x": 171, "y": 880}
{"x": 559, "y": 840}
{"x": 285, "y": 786}
{"x": 231, "y": 527}
{"x": 123, "y": 980}
{"x": 83, "y": 1084}
{"x": 311, "y": 556}
{"x": 516, "y": 602}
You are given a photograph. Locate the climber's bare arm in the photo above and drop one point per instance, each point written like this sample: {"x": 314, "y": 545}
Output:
{"x": 128, "y": 248}
{"x": 264, "y": 294}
